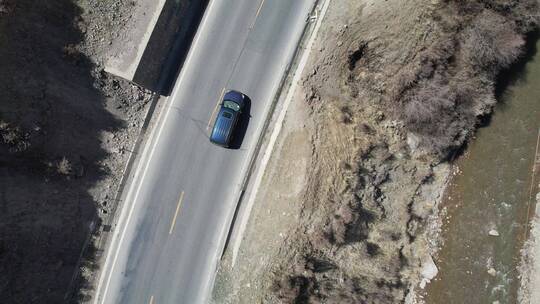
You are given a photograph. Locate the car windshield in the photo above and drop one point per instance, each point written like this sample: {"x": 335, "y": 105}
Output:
{"x": 231, "y": 105}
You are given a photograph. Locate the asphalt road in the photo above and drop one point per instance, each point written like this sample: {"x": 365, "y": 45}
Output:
{"x": 172, "y": 228}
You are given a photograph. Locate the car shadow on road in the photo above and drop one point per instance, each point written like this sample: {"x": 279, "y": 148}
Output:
{"x": 240, "y": 132}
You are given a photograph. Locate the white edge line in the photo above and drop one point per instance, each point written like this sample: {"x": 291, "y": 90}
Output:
{"x": 275, "y": 133}
{"x": 122, "y": 217}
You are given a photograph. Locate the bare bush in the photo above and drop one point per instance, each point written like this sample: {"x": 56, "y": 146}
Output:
{"x": 13, "y": 137}
{"x": 431, "y": 102}
{"x": 71, "y": 52}
{"x": 429, "y": 112}
{"x": 491, "y": 41}
{"x": 442, "y": 113}
{"x": 440, "y": 94}
{"x": 429, "y": 61}
{"x": 405, "y": 79}
{"x": 64, "y": 166}
{"x": 9, "y": 135}
{"x": 5, "y": 7}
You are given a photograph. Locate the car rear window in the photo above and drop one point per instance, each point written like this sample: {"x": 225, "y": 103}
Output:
{"x": 231, "y": 105}
{"x": 227, "y": 115}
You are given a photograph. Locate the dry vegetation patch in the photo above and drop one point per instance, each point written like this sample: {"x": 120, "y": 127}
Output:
{"x": 440, "y": 94}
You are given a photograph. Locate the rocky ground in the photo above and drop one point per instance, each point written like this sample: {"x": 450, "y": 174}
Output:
{"x": 66, "y": 132}
{"x": 347, "y": 211}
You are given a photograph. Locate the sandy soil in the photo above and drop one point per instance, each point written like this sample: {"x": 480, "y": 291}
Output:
{"x": 347, "y": 210}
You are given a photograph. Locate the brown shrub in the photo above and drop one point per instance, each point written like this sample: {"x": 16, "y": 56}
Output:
{"x": 491, "y": 42}
{"x": 440, "y": 94}
{"x": 429, "y": 61}
{"x": 442, "y": 113}
{"x": 432, "y": 101}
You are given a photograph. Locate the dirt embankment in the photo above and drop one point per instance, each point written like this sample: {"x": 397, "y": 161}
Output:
{"x": 66, "y": 129}
{"x": 393, "y": 90}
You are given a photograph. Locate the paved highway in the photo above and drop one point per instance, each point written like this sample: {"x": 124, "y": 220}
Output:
{"x": 177, "y": 212}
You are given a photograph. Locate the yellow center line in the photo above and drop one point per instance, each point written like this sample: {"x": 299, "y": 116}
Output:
{"x": 151, "y": 300}
{"x": 257, "y": 14}
{"x": 176, "y": 212}
{"x": 215, "y": 108}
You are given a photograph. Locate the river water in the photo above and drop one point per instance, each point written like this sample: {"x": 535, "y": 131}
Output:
{"x": 491, "y": 192}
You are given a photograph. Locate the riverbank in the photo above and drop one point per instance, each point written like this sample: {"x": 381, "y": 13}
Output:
{"x": 487, "y": 203}
{"x": 529, "y": 269}
{"x": 348, "y": 207}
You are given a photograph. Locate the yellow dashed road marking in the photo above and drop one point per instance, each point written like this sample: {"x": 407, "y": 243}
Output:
{"x": 176, "y": 212}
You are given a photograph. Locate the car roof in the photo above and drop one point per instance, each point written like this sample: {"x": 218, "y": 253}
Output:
{"x": 222, "y": 127}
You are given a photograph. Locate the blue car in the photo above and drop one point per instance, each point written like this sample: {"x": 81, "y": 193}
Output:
{"x": 227, "y": 118}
